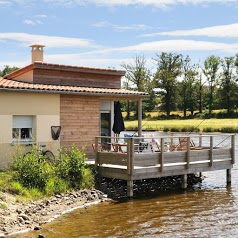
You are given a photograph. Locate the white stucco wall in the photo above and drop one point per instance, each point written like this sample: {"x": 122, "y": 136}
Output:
{"x": 45, "y": 109}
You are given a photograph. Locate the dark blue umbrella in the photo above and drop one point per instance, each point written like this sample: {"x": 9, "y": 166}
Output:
{"x": 118, "y": 125}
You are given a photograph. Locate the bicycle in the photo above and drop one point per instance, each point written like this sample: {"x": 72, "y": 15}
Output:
{"x": 47, "y": 154}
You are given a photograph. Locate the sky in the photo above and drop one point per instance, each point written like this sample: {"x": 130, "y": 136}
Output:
{"x": 107, "y": 33}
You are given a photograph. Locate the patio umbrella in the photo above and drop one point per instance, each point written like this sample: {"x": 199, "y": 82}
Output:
{"x": 118, "y": 125}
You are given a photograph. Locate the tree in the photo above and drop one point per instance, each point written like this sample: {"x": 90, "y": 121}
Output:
{"x": 200, "y": 92}
{"x": 210, "y": 70}
{"x": 169, "y": 67}
{"x": 227, "y": 84}
{"x": 188, "y": 87}
{"x": 7, "y": 70}
{"x": 127, "y": 105}
{"x": 139, "y": 78}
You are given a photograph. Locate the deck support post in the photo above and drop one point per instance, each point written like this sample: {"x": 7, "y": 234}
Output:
{"x": 228, "y": 177}
{"x": 129, "y": 188}
{"x": 184, "y": 181}
{"x": 98, "y": 177}
{"x": 130, "y": 166}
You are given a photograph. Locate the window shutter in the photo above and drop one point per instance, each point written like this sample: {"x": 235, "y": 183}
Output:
{"x": 22, "y": 122}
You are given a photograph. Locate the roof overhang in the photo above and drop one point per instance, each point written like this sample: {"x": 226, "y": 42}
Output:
{"x": 15, "y": 86}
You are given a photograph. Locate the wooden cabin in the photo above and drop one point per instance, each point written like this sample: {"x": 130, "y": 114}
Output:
{"x": 40, "y": 97}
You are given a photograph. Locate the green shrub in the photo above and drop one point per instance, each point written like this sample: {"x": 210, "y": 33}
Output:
{"x": 209, "y": 129}
{"x": 87, "y": 180}
{"x": 175, "y": 129}
{"x": 32, "y": 170}
{"x": 189, "y": 129}
{"x": 18, "y": 189}
{"x": 229, "y": 129}
{"x": 55, "y": 186}
{"x": 166, "y": 129}
{"x": 71, "y": 166}
{"x": 5, "y": 179}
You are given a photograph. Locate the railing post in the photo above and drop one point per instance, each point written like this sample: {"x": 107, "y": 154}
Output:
{"x": 130, "y": 166}
{"x": 161, "y": 155}
{"x": 211, "y": 151}
{"x": 200, "y": 140}
{"x": 188, "y": 153}
{"x": 96, "y": 153}
{"x": 233, "y": 149}
{"x": 130, "y": 156}
{"x": 140, "y": 117}
{"x": 171, "y": 138}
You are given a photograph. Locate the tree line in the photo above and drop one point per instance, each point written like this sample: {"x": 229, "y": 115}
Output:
{"x": 178, "y": 84}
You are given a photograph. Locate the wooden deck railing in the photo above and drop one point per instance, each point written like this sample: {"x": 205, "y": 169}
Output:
{"x": 134, "y": 164}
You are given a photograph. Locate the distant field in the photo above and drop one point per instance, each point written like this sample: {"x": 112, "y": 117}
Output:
{"x": 201, "y": 124}
{"x": 178, "y": 113}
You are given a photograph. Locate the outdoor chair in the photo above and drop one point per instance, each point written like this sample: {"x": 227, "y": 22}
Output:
{"x": 183, "y": 144}
{"x": 102, "y": 147}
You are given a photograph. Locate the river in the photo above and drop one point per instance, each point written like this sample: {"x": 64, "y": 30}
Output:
{"x": 209, "y": 209}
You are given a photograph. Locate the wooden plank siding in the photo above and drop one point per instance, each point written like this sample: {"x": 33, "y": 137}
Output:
{"x": 81, "y": 79}
{"x": 79, "y": 120}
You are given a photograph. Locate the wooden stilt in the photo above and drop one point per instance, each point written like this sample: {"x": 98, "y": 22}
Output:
{"x": 228, "y": 176}
{"x": 129, "y": 188}
{"x": 184, "y": 181}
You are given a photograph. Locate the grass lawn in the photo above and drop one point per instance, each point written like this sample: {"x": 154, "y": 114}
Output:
{"x": 160, "y": 125}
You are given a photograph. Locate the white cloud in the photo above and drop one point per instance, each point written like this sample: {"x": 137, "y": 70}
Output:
{"x": 170, "y": 45}
{"x": 100, "y": 58}
{"x": 4, "y": 3}
{"x": 230, "y": 30}
{"x": 35, "y": 20}
{"x": 29, "y": 22}
{"x": 133, "y": 27}
{"x": 49, "y": 41}
{"x": 156, "y": 3}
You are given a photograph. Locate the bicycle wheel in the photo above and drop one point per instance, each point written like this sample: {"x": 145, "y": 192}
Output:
{"x": 49, "y": 156}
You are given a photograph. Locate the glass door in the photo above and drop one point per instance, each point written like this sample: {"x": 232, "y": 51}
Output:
{"x": 106, "y": 129}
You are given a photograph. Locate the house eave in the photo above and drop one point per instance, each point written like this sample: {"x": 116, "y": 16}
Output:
{"x": 99, "y": 94}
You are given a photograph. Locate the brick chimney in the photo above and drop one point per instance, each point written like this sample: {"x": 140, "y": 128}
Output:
{"x": 37, "y": 53}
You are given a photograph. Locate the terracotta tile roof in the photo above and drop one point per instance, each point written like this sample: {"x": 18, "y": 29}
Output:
{"x": 44, "y": 65}
{"x": 12, "y": 85}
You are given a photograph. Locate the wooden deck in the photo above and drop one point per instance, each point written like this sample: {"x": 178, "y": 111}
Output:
{"x": 136, "y": 164}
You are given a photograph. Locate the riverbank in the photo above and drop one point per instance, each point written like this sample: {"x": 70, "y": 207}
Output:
{"x": 17, "y": 216}
{"x": 186, "y": 125}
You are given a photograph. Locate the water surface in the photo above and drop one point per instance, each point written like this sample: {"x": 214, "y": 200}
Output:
{"x": 209, "y": 209}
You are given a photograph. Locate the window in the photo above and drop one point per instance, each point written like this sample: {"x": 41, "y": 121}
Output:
{"x": 22, "y": 128}
{"x": 105, "y": 124}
